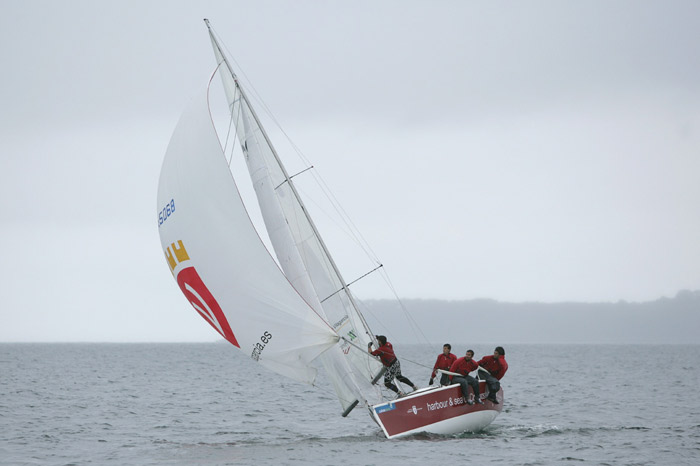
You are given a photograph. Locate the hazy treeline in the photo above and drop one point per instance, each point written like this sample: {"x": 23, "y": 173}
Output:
{"x": 666, "y": 320}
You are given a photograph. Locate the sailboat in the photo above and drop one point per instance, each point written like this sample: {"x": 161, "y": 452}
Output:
{"x": 291, "y": 312}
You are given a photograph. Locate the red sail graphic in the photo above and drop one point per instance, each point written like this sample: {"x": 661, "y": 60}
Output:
{"x": 203, "y": 301}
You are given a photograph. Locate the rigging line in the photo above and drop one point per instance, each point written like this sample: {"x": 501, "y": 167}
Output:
{"x": 235, "y": 126}
{"x": 378, "y": 359}
{"x": 367, "y": 354}
{"x": 258, "y": 98}
{"x": 416, "y": 363}
{"x": 228, "y": 135}
{"x": 354, "y": 231}
{"x": 370, "y": 357}
{"x": 350, "y": 229}
{"x": 324, "y": 186}
{"x": 319, "y": 179}
{"x": 364, "y": 351}
{"x": 329, "y": 194}
{"x": 230, "y": 121}
{"x": 345, "y": 229}
{"x": 329, "y": 263}
{"x": 412, "y": 322}
{"x": 344, "y": 216}
{"x": 241, "y": 72}
{"x": 405, "y": 310}
{"x": 379, "y": 389}
{"x": 367, "y": 309}
{"x": 296, "y": 196}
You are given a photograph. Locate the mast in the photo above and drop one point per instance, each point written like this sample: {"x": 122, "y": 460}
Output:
{"x": 288, "y": 180}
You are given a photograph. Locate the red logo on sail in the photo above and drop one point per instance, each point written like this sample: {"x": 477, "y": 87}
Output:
{"x": 203, "y": 301}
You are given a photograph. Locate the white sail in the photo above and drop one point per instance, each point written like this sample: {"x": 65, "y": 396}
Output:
{"x": 220, "y": 262}
{"x": 300, "y": 250}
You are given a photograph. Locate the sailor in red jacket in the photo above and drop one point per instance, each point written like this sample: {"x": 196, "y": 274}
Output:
{"x": 464, "y": 366}
{"x": 496, "y": 367}
{"x": 392, "y": 364}
{"x": 444, "y": 362}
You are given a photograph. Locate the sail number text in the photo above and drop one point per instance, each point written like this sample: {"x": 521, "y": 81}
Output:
{"x": 257, "y": 349}
{"x": 167, "y": 211}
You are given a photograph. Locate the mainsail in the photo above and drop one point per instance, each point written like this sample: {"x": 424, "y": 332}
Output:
{"x": 300, "y": 250}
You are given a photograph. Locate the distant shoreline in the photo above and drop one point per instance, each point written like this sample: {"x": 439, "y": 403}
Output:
{"x": 665, "y": 321}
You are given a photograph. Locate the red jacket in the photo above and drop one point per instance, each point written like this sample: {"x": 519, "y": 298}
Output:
{"x": 386, "y": 354}
{"x": 497, "y": 367}
{"x": 443, "y": 362}
{"x": 464, "y": 367}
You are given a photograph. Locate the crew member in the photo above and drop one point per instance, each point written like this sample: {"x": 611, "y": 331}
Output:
{"x": 392, "y": 364}
{"x": 444, "y": 362}
{"x": 464, "y": 366}
{"x": 496, "y": 366}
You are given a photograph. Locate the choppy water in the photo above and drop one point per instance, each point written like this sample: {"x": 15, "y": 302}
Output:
{"x": 207, "y": 404}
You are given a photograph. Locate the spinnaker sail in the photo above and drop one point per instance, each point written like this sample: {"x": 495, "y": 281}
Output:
{"x": 220, "y": 262}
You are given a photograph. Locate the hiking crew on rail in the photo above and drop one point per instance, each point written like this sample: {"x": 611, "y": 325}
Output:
{"x": 496, "y": 366}
{"x": 444, "y": 361}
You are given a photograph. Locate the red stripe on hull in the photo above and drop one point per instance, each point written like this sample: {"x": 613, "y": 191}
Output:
{"x": 423, "y": 409}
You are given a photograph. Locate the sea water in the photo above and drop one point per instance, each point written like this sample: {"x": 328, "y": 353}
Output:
{"x": 208, "y": 404}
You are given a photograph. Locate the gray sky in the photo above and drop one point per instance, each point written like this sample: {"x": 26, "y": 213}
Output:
{"x": 518, "y": 151}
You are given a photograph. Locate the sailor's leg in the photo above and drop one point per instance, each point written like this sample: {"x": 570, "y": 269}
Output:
{"x": 494, "y": 386}
{"x": 475, "y": 387}
{"x": 444, "y": 380}
{"x": 401, "y": 378}
{"x": 405, "y": 380}
{"x": 389, "y": 375}
{"x": 465, "y": 388}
